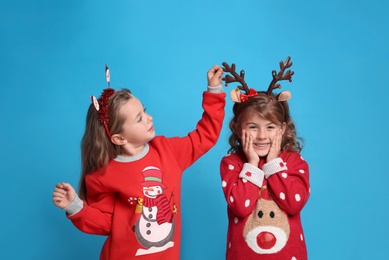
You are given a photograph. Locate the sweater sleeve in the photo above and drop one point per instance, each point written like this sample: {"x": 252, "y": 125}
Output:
{"x": 290, "y": 186}
{"x": 191, "y": 147}
{"x": 96, "y": 216}
{"x": 241, "y": 184}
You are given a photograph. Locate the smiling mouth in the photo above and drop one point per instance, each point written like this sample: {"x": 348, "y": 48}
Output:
{"x": 262, "y": 145}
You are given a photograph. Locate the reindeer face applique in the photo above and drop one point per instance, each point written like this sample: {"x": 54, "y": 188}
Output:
{"x": 267, "y": 229}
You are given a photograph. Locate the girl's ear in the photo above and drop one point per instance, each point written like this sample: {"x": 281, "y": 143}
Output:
{"x": 118, "y": 139}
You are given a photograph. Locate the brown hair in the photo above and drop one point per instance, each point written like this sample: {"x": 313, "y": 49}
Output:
{"x": 266, "y": 104}
{"x": 269, "y": 108}
{"x": 96, "y": 147}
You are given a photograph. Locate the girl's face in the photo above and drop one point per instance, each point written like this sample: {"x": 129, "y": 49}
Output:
{"x": 138, "y": 125}
{"x": 263, "y": 132}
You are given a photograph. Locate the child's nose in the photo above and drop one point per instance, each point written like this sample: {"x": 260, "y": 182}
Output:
{"x": 261, "y": 134}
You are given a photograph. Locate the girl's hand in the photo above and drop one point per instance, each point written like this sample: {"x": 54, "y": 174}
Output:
{"x": 214, "y": 76}
{"x": 247, "y": 145}
{"x": 275, "y": 147}
{"x": 63, "y": 195}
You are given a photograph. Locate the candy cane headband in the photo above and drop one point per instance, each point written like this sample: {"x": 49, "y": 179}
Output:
{"x": 102, "y": 105}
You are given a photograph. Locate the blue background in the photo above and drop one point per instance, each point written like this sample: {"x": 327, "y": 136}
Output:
{"x": 52, "y": 57}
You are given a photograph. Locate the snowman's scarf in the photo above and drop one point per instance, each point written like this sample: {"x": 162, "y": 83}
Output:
{"x": 164, "y": 213}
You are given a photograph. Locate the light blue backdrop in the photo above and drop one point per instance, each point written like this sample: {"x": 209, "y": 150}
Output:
{"x": 52, "y": 57}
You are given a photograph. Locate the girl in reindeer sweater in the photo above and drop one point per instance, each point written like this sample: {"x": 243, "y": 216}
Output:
{"x": 264, "y": 178}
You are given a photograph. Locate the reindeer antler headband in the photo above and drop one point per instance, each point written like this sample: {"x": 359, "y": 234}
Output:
{"x": 237, "y": 96}
{"x": 102, "y": 105}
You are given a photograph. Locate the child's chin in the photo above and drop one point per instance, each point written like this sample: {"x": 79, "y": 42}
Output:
{"x": 262, "y": 154}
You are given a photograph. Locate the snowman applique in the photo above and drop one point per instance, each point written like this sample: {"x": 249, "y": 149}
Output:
{"x": 154, "y": 229}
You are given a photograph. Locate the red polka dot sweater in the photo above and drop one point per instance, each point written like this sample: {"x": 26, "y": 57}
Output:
{"x": 264, "y": 205}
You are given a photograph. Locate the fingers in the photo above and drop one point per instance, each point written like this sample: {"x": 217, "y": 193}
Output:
{"x": 215, "y": 72}
{"x": 67, "y": 186}
{"x": 216, "y": 69}
{"x": 275, "y": 147}
{"x": 59, "y": 193}
{"x": 62, "y": 195}
{"x": 278, "y": 137}
{"x": 247, "y": 145}
{"x": 245, "y": 139}
{"x": 248, "y": 141}
{"x": 215, "y": 76}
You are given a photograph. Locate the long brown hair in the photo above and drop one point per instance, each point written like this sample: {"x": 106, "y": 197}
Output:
{"x": 269, "y": 108}
{"x": 96, "y": 147}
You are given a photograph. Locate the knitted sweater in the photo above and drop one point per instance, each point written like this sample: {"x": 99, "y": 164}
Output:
{"x": 136, "y": 200}
{"x": 264, "y": 205}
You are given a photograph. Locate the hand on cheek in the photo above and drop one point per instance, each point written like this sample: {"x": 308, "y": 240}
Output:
{"x": 247, "y": 145}
{"x": 275, "y": 147}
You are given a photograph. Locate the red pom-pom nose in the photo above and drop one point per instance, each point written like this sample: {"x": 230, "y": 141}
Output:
{"x": 266, "y": 240}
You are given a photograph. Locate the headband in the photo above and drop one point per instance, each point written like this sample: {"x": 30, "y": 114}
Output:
{"x": 237, "y": 96}
{"x": 101, "y": 105}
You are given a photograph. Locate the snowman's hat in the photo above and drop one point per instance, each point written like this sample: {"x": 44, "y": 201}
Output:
{"x": 153, "y": 177}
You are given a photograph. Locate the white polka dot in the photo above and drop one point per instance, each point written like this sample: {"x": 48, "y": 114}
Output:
{"x": 301, "y": 237}
{"x": 301, "y": 171}
{"x": 231, "y": 199}
{"x": 247, "y": 203}
{"x": 297, "y": 197}
{"x": 224, "y": 184}
{"x": 284, "y": 175}
{"x": 294, "y": 258}
{"x": 236, "y": 220}
{"x": 302, "y": 158}
{"x": 282, "y": 195}
{"x": 230, "y": 167}
{"x": 244, "y": 180}
{"x": 229, "y": 245}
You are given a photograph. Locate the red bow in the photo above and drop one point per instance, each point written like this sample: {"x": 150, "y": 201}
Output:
{"x": 252, "y": 93}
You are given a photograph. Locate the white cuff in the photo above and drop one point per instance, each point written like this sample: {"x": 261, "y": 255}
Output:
{"x": 75, "y": 206}
{"x": 274, "y": 166}
{"x": 252, "y": 174}
{"x": 216, "y": 89}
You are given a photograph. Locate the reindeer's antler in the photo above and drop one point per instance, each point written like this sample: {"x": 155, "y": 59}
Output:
{"x": 280, "y": 75}
{"x": 236, "y": 78}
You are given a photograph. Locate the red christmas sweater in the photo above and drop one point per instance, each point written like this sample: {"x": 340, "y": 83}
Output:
{"x": 136, "y": 201}
{"x": 264, "y": 205}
